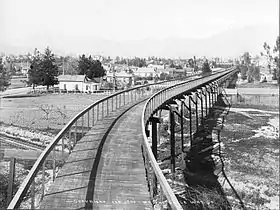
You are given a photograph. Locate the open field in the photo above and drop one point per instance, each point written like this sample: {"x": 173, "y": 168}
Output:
{"x": 27, "y": 113}
{"x": 251, "y": 145}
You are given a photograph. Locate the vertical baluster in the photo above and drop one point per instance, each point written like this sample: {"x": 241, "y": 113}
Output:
{"x": 33, "y": 194}
{"x": 97, "y": 112}
{"x": 124, "y": 98}
{"x": 43, "y": 180}
{"x": 107, "y": 107}
{"x": 102, "y": 110}
{"x": 88, "y": 118}
{"x": 93, "y": 116}
{"x": 120, "y": 101}
{"x": 54, "y": 164}
{"x": 69, "y": 143}
{"x": 62, "y": 143}
{"x": 82, "y": 126}
{"x": 76, "y": 132}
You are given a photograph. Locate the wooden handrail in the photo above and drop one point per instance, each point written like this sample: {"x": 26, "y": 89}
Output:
{"x": 17, "y": 199}
{"x": 171, "y": 198}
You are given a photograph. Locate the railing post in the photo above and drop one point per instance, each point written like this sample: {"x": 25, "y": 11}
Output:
{"x": 120, "y": 101}
{"x": 93, "y": 116}
{"x": 124, "y": 98}
{"x": 43, "y": 180}
{"x": 97, "y": 112}
{"x": 82, "y": 126}
{"x": 54, "y": 162}
{"x": 33, "y": 194}
{"x": 62, "y": 143}
{"x": 88, "y": 118}
{"x": 69, "y": 144}
{"x": 107, "y": 107}
{"x": 102, "y": 114}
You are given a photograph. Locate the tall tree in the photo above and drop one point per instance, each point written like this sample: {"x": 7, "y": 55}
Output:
{"x": 49, "y": 69}
{"x": 43, "y": 70}
{"x": 272, "y": 56}
{"x": 34, "y": 76}
{"x": 5, "y": 77}
{"x": 89, "y": 67}
{"x": 206, "y": 68}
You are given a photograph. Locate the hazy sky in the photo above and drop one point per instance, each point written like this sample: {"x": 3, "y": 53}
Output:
{"x": 57, "y": 22}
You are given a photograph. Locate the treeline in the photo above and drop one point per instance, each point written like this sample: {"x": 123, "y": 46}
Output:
{"x": 44, "y": 68}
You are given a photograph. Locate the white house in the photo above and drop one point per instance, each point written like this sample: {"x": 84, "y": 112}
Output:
{"x": 78, "y": 83}
{"x": 146, "y": 72}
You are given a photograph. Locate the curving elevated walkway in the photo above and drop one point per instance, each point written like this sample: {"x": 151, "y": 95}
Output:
{"x": 106, "y": 169}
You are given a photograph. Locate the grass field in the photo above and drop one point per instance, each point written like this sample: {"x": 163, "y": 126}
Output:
{"x": 251, "y": 146}
{"x": 26, "y": 113}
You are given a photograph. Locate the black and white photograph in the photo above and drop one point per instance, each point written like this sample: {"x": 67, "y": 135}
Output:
{"x": 129, "y": 104}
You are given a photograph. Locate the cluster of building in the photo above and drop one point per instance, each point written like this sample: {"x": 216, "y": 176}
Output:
{"x": 119, "y": 75}
{"x": 122, "y": 76}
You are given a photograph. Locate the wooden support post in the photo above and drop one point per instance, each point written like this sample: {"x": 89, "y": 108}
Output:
{"x": 172, "y": 138}
{"x": 196, "y": 110}
{"x": 159, "y": 127}
{"x": 205, "y": 101}
{"x": 182, "y": 131}
{"x": 201, "y": 106}
{"x": 154, "y": 121}
{"x": 11, "y": 180}
{"x": 190, "y": 116}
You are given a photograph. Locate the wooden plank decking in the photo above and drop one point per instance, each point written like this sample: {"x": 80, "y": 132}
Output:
{"x": 105, "y": 170}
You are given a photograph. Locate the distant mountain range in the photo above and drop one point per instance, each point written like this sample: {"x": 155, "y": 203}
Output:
{"x": 230, "y": 43}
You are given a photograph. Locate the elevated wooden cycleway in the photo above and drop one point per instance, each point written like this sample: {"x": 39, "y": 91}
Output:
{"x": 106, "y": 169}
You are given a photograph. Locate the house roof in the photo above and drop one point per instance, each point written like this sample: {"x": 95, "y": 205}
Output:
{"x": 77, "y": 78}
{"x": 71, "y": 78}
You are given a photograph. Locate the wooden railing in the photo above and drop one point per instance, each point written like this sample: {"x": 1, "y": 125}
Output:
{"x": 158, "y": 185}
{"x": 61, "y": 146}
